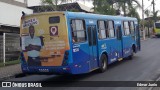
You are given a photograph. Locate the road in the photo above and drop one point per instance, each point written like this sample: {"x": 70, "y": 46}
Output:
{"x": 145, "y": 66}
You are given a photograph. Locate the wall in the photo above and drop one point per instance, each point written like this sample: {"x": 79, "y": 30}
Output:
{"x": 10, "y": 14}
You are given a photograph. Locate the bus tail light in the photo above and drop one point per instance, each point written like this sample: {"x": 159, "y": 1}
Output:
{"x": 65, "y": 60}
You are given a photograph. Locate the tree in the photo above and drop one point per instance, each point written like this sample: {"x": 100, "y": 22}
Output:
{"x": 53, "y": 3}
{"x": 149, "y": 20}
{"x": 128, "y": 5}
{"x": 133, "y": 13}
{"x": 155, "y": 15}
{"x": 104, "y": 7}
{"x": 147, "y": 13}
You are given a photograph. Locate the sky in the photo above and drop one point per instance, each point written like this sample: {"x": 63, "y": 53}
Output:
{"x": 147, "y": 4}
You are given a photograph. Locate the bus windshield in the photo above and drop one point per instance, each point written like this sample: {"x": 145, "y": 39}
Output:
{"x": 157, "y": 25}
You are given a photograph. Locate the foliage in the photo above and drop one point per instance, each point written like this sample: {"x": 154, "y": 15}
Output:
{"x": 155, "y": 15}
{"x": 74, "y": 10}
{"x": 150, "y": 17}
{"x": 129, "y": 7}
{"x": 110, "y": 7}
{"x": 10, "y": 63}
{"x": 104, "y": 7}
{"x": 52, "y": 3}
{"x": 147, "y": 13}
{"x": 107, "y": 7}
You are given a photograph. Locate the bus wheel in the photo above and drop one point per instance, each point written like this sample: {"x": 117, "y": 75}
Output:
{"x": 103, "y": 64}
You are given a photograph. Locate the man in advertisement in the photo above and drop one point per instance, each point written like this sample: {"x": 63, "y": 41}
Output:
{"x": 33, "y": 45}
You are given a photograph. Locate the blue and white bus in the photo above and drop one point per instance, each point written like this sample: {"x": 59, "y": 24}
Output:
{"x": 76, "y": 42}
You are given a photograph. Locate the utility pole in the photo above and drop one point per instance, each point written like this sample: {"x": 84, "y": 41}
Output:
{"x": 154, "y": 17}
{"x": 143, "y": 20}
{"x": 153, "y": 2}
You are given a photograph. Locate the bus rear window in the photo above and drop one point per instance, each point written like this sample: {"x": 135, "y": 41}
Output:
{"x": 55, "y": 19}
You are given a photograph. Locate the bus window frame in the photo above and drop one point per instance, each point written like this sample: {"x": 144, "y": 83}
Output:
{"x": 113, "y": 29}
{"x": 85, "y": 31}
{"x": 125, "y": 29}
{"x": 49, "y": 19}
{"x": 133, "y": 27}
{"x": 106, "y": 30}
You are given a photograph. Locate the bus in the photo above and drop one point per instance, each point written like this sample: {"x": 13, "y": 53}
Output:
{"x": 157, "y": 28}
{"x": 63, "y": 42}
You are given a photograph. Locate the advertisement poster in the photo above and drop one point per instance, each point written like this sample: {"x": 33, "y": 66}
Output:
{"x": 44, "y": 43}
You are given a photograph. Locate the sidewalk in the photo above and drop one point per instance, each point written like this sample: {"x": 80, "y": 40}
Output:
{"x": 145, "y": 39}
{"x": 9, "y": 71}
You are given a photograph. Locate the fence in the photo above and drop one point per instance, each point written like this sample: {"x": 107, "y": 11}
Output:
{"x": 9, "y": 47}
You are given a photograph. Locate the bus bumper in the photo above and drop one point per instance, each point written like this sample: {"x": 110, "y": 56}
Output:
{"x": 46, "y": 70}
{"x": 69, "y": 69}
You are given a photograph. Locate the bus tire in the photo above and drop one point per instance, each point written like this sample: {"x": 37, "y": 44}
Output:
{"x": 103, "y": 63}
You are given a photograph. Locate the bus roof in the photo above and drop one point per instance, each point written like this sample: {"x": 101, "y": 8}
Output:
{"x": 85, "y": 15}
{"x": 98, "y": 16}
{"x": 45, "y": 13}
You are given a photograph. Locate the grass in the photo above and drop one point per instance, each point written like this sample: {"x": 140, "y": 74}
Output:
{"x": 9, "y": 63}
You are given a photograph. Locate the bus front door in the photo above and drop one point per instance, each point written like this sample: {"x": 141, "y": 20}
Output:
{"x": 92, "y": 42}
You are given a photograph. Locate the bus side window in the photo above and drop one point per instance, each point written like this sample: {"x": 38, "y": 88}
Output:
{"x": 73, "y": 28}
{"x": 102, "y": 29}
{"x": 132, "y": 29}
{"x": 126, "y": 28}
{"x": 111, "y": 29}
{"x": 78, "y": 30}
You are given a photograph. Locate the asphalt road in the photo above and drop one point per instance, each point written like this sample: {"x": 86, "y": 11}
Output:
{"x": 145, "y": 66}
